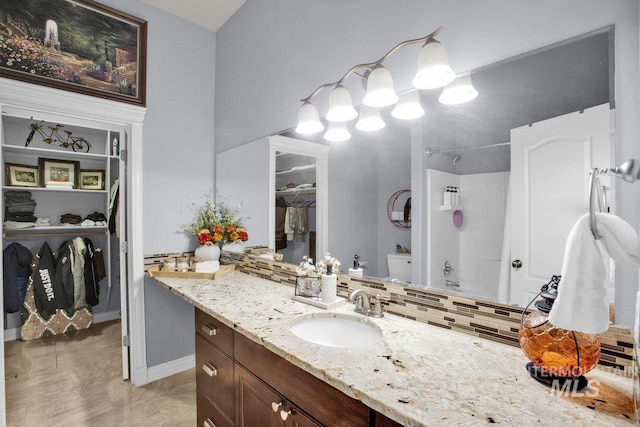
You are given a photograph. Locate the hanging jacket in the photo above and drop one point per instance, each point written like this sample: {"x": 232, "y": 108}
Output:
{"x": 64, "y": 272}
{"x": 48, "y": 292}
{"x": 16, "y": 261}
{"x": 92, "y": 288}
{"x": 78, "y": 253}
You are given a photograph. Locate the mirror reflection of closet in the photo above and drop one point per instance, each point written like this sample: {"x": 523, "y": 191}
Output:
{"x": 298, "y": 212}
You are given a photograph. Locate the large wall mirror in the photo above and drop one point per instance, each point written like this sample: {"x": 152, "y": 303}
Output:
{"x": 471, "y": 147}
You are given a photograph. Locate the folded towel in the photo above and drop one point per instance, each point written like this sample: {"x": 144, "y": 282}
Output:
{"x": 207, "y": 266}
{"x": 582, "y": 293}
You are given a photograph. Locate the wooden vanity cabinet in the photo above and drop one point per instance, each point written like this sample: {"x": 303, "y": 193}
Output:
{"x": 214, "y": 372}
{"x": 260, "y": 405}
{"x": 326, "y": 404}
{"x": 240, "y": 383}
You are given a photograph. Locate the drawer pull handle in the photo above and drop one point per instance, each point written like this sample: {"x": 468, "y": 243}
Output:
{"x": 209, "y": 330}
{"x": 275, "y": 406}
{"x": 209, "y": 423}
{"x": 284, "y": 415}
{"x": 210, "y": 370}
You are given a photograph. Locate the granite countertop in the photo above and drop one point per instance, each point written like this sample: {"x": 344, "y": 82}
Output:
{"x": 418, "y": 374}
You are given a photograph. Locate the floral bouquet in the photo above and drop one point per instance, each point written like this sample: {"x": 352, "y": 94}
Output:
{"x": 308, "y": 282}
{"x": 217, "y": 224}
{"x": 329, "y": 265}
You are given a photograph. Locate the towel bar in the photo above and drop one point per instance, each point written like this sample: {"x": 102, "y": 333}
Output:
{"x": 629, "y": 171}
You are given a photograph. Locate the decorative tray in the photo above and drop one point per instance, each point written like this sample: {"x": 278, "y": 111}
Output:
{"x": 156, "y": 271}
{"x": 317, "y": 303}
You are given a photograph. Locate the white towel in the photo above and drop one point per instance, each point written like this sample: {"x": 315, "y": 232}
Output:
{"x": 207, "y": 266}
{"x": 582, "y": 293}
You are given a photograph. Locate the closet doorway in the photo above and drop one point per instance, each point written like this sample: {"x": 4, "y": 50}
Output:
{"x": 114, "y": 131}
{"x": 298, "y": 189}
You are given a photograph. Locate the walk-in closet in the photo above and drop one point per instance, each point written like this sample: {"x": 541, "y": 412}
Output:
{"x": 66, "y": 236}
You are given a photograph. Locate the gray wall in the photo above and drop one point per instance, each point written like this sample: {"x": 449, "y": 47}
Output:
{"x": 178, "y": 160}
{"x": 271, "y": 54}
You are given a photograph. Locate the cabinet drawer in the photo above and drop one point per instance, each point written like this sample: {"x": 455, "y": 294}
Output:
{"x": 214, "y": 331}
{"x": 214, "y": 376}
{"x": 208, "y": 415}
{"x": 326, "y": 404}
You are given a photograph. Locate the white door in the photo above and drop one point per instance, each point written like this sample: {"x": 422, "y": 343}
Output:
{"x": 550, "y": 165}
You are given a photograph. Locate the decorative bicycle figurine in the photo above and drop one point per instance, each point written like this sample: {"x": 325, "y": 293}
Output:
{"x": 73, "y": 142}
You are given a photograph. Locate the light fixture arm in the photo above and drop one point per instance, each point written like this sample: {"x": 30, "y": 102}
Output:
{"x": 373, "y": 64}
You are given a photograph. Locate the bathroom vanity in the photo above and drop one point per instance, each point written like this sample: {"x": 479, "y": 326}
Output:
{"x": 249, "y": 364}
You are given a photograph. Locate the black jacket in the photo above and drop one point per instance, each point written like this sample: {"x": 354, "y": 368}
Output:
{"x": 92, "y": 288}
{"x": 16, "y": 261}
{"x": 64, "y": 273}
{"x": 47, "y": 290}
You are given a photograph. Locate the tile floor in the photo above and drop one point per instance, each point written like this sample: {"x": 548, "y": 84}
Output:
{"x": 75, "y": 380}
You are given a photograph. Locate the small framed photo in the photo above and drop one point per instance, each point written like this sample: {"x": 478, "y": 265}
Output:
{"x": 91, "y": 179}
{"x": 22, "y": 175}
{"x": 56, "y": 173}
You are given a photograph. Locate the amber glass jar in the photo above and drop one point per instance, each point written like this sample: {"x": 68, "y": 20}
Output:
{"x": 558, "y": 352}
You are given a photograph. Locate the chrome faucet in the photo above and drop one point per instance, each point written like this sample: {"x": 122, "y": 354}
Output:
{"x": 366, "y": 303}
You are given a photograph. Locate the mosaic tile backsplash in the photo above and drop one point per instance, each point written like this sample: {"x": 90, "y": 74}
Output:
{"x": 492, "y": 321}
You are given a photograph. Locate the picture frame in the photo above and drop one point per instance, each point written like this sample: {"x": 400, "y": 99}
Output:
{"x": 21, "y": 175}
{"x": 91, "y": 179}
{"x": 56, "y": 173}
{"x": 88, "y": 48}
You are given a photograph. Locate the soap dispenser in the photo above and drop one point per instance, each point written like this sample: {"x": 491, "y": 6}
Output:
{"x": 356, "y": 270}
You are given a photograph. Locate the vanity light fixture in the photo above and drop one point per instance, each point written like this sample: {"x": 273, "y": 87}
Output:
{"x": 308, "y": 120}
{"x": 459, "y": 91}
{"x": 433, "y": 67}
{"x": 380, "y": 92}
{"x": 433, "y": 72}
{"x": 337, "y": 132}
{"x": 370, "y": 119}
{"x": 408, "y": 107}
{"x": 340, "y": 105}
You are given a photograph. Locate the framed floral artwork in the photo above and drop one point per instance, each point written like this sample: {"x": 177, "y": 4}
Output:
{"x": 76, "y": 45}
{"x": 62, "y": 174}
{"x": 21, "y": 175}
{"x": 91, "y": 179}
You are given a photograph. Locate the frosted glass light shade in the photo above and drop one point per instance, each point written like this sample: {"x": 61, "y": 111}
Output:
{"x": 380, "y": 92}
{"x": 308, "y": 119}
{"x": 433, "y": 67}
{"x": 340, "y": 106}
{"x": 369, "y": 119}
{"x": 337, "y": 133}
{"x": 408, "y": 107}
{"x": 459, "y": 91}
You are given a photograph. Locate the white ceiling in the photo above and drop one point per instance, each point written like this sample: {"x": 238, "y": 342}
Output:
{"x": 210, "y": 14}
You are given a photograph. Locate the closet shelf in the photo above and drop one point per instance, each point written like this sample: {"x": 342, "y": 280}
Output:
{"x": 294, "y": 192}
{"x": 298, "y": 169}
{"x": 56, "y": 190}
{"x": 64, "y": 154}
{"x": 54, "y": 230}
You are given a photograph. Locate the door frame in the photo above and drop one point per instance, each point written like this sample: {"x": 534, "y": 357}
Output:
{"x": 321, "y": 154}
{"x": 39, "y": 98}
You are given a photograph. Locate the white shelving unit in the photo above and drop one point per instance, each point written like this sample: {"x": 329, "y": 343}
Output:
{"x": 54, "y": 202}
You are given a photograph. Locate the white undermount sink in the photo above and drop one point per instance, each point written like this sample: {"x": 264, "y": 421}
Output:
{"x": 337, "y": 331}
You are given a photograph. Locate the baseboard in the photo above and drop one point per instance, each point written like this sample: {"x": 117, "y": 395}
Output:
{"x": 106, "y": 316}
{"x": 12, "y": 334}
{"x": 171, "y": 368}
